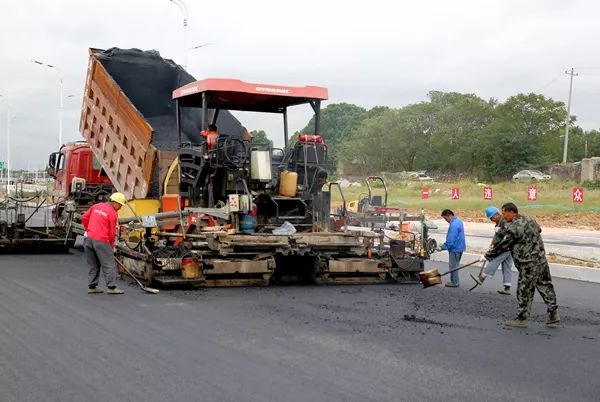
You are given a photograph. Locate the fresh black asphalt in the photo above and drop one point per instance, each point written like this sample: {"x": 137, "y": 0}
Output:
{"x": 286, "y": 343}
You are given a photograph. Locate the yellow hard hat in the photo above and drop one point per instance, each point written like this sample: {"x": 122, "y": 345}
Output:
{"x": 119, "y": 198}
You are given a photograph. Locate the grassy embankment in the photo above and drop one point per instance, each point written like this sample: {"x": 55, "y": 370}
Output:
{"x": 554, "y": 205}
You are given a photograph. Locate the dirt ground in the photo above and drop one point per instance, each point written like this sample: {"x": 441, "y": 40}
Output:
{"x": 573, "y": 220}
{"x": 553, "y": 258}
{"x": 557, "y": 259}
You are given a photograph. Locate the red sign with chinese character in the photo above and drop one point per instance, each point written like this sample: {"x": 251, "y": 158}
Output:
{"x": 425, "y": 193}
{"x": 455, "y": 193}
{"x": 532, "y": 194}
{"x": 487, "y": 193}
{"x": 578, "y": 195}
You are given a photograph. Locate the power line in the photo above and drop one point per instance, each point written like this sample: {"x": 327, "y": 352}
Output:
{"x": 549, "y": 83}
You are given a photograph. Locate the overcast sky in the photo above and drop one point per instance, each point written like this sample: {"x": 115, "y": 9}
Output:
{"x": 366, "y": 52}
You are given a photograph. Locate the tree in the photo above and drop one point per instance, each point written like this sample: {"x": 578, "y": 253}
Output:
{"x": 534, "y": 114}
{"x": 259, "y": 137}
{"x": 593, "y": 139}
{"x": 293, "y": 139}
{"x": 524, "y": 135}
{"x": 577, "y": 144}
{"x": 504, "y": 151}
{"x": 414, "y": 137}
{"x": 541, "y": 120}
{"x": 338, "y": 121}
{"x": 390, "y": 140}
{"x": 458, "y": 124}
{"x": 365, "y": 146}
{"x": 376, "y": 111}
{"x": 455, "y": 132}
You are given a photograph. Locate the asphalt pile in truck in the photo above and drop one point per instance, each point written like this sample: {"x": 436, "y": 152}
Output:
{"x": 148, "y": 81}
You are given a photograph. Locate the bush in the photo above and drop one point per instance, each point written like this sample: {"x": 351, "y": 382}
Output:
{"x": 592, "y": 185}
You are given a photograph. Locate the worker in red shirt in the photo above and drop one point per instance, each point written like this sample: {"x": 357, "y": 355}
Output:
{"x": 100, "y": 224}
{"x": 211, "y": 136}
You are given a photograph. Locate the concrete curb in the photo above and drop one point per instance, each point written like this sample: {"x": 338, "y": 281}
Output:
{"x": 557, "y": 270}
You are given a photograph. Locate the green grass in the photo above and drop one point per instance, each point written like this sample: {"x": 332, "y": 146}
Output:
{"x": 553, "y": 196}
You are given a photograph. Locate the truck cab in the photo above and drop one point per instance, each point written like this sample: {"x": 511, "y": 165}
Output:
{"x": 78, "y": 175}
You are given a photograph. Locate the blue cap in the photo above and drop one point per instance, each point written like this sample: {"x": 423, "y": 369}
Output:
{"x": 491, "y": 211}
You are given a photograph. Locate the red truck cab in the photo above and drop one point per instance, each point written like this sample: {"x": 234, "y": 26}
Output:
{"x": 77, "y": 173}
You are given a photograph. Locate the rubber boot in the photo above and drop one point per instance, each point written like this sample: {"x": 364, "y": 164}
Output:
{"x": 516, "y": 323}
{"x": 553, "y": 318}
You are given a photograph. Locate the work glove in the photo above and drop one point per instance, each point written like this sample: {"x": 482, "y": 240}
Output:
{"x": 482, "y": 258}
{"x": 438, "y": 249}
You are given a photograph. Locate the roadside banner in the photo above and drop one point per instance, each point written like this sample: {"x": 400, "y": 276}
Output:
{"x": 487, "y": 193}
{"x": 425, "y": 193}
{"x": 455, "y": 193}
{"x": 578, "y": 195}
{"x": 532, "y": 194}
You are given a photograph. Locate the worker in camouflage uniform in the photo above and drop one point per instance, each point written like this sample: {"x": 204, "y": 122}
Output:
{"x": 504, "y": 259}
{"x": 523, "y": 239}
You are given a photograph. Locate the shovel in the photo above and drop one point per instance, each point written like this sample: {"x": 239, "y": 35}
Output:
{"x": 432, "y": 277}
{"x": 144, "y": 288}
{"x": 480, "y": 271}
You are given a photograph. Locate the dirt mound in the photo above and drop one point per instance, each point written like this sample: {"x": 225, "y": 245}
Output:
{"x": 572, "y": 220}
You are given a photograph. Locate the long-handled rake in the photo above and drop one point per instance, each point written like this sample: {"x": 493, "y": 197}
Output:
{"x": 144, "y": 288}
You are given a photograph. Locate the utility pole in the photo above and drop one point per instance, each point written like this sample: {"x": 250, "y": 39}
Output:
{"x": 61, "y": 108}
{"x": 572, "y": 73}
{"x": 2, "y": 170}
{"x": 7, "y": 148}
{"x": 8, "y": 151}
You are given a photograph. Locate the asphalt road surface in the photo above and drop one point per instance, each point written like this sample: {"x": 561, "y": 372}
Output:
{"x": 290, "y": 343}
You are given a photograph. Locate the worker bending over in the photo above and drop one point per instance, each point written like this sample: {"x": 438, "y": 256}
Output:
{"x": 504, "y": 259}
{"x": 523, "y": 239}
{"x": 100, "y": 223}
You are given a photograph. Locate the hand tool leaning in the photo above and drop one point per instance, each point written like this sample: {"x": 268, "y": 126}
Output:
{"x": 144, "y": 288}
{"x": 433, "y": 277}
{"x": 479, "y": 275}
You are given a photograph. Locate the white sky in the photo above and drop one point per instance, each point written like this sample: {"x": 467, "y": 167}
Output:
{"x": 366, "y": 52}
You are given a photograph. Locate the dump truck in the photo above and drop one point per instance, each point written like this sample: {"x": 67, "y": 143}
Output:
{"x": 224, "y": 211}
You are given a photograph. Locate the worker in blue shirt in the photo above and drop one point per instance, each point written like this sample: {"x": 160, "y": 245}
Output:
{"x": 455, "y": 244}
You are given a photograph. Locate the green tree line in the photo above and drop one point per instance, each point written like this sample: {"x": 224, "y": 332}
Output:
{"x": 453, "y": 132}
